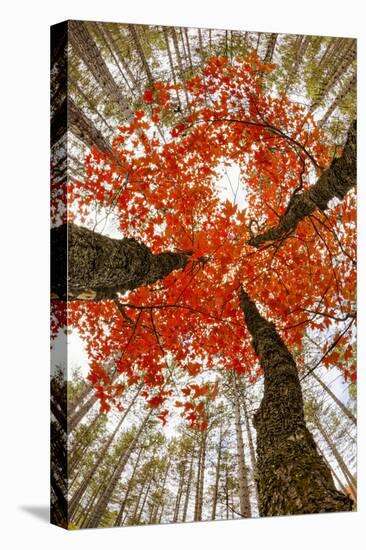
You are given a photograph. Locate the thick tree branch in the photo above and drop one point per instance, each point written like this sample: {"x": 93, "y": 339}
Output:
{"x": 90, "y": 266}
{"x": 335, "y": 182}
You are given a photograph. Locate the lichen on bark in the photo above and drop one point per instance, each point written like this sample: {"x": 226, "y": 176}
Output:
{"x": 98, "y": 266}
{"x": 292, "y": 476}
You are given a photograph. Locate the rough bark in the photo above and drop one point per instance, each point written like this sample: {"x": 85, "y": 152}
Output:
{"x": 292, "y": 476}
{"x": 99, "y": 267}
{"x": 335, "y": 182}
{"x": 83, "y": 128}
{"x": 85, "y": 47}
{"x": 244, "y": 500}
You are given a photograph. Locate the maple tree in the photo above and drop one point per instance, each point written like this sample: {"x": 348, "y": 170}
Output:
{"x": 175, "y": 305}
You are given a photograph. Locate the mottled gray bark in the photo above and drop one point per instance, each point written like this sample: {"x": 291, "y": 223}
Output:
{"x": 98, "y": 267}
{"x": 292, "y": 476}
{"x": 335, "y": 182}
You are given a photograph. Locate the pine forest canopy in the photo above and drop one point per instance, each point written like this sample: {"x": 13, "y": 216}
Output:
{"x": 201, "y": 286}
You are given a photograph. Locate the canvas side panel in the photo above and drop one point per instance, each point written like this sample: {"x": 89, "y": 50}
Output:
{"x": 58, "y": 111}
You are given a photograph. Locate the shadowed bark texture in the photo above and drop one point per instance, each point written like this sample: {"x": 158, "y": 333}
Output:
{"x": 98, "y": 267}
{"x": 335, "y": 182}
{"x": 292, "y": 477}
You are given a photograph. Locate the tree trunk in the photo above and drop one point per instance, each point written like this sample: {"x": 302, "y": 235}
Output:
{"x": 345, "y": 90}
{"x": 270, "y": 48}
{"x": 99, "y": 267}
{"x": 217, "y": 476}
{"x": 85, "y": 47}
{"x": 118, "y": 521}
{"x": 188, "y": 489}
{"x": 136, "y": 40}
{"x": 106, "y": 496}
{"x": 101, "y": 456}
{"x": 346, "y": 411}
{"x": 335, "y": 181}
{"x": 85, "y": 130}
{"x": 337, "y": 455}
{"x": 155, "y": 515}
{"x": 245, "y": 508}
{"x": 248, "y": 427}
{"x": 179, "y": 494}
{"x": 292, "y": 476}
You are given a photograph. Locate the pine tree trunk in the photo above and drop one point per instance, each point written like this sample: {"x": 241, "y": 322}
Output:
{"x": 136, "y": 40}
{"x": 118, "y": 521}
{"x": 99, "y": 266}
{"x": 217, "y": 476}
{"x": 342, "y": 465}
{"x": 188, "y": 489}
{"x": 85, "y": 130}
{"x": 179, "y": 494}
{"x": 345, "y": 90}
{"x": 346, "y": 411}
{"x": 292, "y": 476}
{"x": 155, "y": 517}
{"x": 245, "y": 508}
{"x": 106, "y": 496}
{"x": 100, "y": 457}
{"x": 253, "y": 459}
{"x": 85, "y": 47}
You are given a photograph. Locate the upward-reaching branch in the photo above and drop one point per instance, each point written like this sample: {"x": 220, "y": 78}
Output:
{"x": 335, "y": 182}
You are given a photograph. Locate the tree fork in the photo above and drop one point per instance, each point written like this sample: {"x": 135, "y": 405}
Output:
{"x": 89, "y": 266}
{"x": 292, "y": 477}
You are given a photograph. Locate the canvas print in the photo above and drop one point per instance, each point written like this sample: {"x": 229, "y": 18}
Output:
{"x": 203, "y": 277}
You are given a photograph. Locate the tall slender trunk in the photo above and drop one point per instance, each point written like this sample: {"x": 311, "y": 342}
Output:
{"x": 180, "y": 491}
{"x": 85, "y": 130}
{"x": 118, "y": 521}
{"x": 98, "y": 266}
{"x": 144, "y": 500}
{"x": 108, "y": 493}
{"x": 346, "y": 411}
{"x": 217, "y": 476}
{"x": 244, "y": 499}
{"x": 292, "y": 476}
{"x": 270, "y": 47}
{"x": 166, "y": 38}
{"x": 345, "y": 90}
{"x": 337, "y": 455}
{"x": 188, "y": 48}
{"x": 84, "y": 46}
{"x": 248, "y": 427}
{"x": 136, "y": 40}
{"x": 188, "y": 489}
{"x": 155, "y": 516}
{"x": 100, "y": 457}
